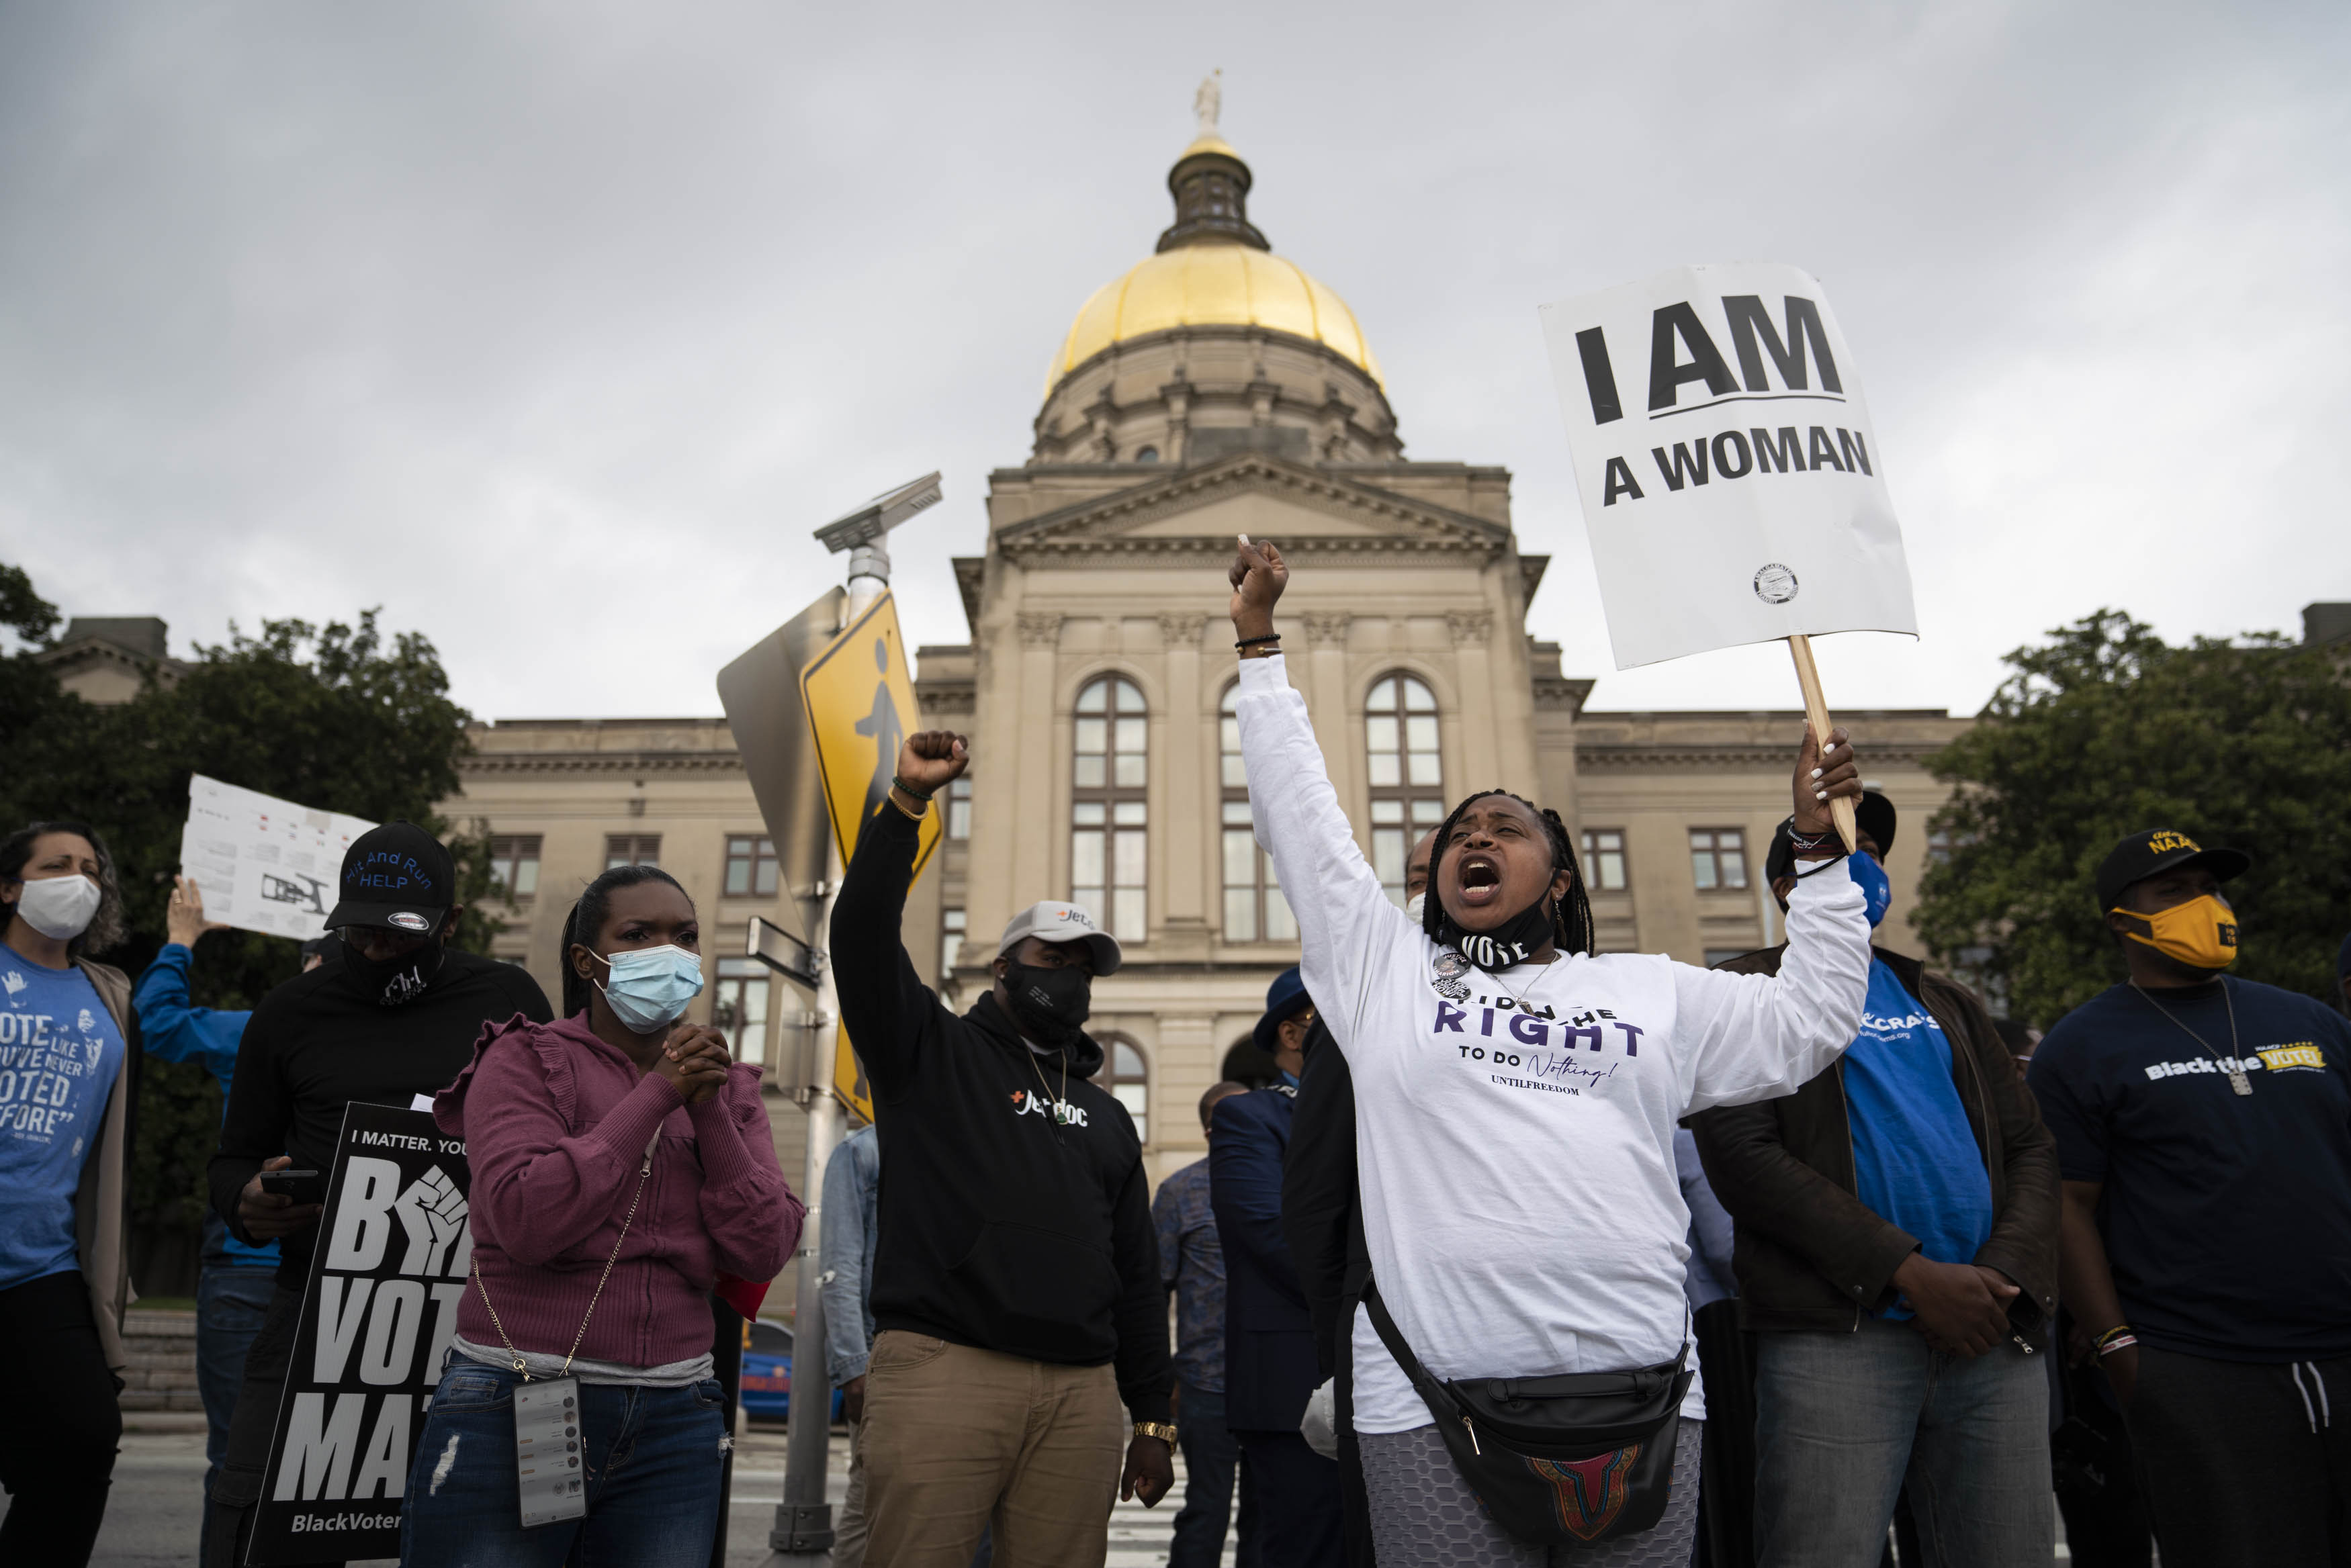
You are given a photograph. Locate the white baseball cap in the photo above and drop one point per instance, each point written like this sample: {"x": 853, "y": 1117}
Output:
{"x": 1053, "y": 921}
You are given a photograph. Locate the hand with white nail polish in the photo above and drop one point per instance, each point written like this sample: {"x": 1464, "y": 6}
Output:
{"x": 1825, "y": 770}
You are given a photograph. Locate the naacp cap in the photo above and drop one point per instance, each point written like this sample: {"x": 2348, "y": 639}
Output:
{"x": 398, "y": 876}
{"x": 1872, "y": 813}
{"x": 1051, "y": 920}
{"x": 2141, "y": 855}
{"x": 1284, "y": 999}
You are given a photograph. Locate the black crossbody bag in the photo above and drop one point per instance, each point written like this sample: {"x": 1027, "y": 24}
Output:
{"x": 1582, "y": 1456}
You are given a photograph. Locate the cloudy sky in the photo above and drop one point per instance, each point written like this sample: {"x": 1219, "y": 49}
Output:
{"x": 553, "y": 329}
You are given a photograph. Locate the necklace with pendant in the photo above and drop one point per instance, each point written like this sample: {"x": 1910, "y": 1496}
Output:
{"x": 2238, "y": 1079}
{"x": 1061, "y": 1105}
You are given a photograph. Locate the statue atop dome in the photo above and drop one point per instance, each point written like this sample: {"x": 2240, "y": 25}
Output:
{"x": 1208, "y": 103}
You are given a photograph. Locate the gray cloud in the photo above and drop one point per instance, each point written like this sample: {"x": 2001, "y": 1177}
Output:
{"x": 555, "y": 328}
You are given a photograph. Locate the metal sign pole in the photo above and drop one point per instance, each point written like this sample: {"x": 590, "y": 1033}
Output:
{"x": 803, "y": 1530}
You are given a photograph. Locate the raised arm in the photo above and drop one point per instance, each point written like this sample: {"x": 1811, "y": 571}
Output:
{"x": 1749, "y": 1036}
{"x": 1346, "y": 924}
{"x": 173, "y": 1030}
{"x": 882, "y": 1001}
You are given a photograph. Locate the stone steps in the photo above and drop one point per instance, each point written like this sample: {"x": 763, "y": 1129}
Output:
{"x": 162, "y": 1371}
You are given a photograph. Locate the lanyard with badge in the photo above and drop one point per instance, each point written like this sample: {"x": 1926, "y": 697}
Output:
{"x": 547, "y": 1413}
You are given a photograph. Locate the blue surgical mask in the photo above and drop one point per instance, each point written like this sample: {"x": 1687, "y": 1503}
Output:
{"x": 1876, "y": 887}
{"x": 652, "y": 987}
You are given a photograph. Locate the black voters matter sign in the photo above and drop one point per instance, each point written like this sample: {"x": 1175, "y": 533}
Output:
{"x": 1732, "y": 480}
{"x": 391, "y": 1266}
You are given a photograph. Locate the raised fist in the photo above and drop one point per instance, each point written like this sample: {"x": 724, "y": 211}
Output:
{"x": 930, "y": 760}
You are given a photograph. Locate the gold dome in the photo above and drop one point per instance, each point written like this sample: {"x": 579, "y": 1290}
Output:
{"x": 1214, "y": 284}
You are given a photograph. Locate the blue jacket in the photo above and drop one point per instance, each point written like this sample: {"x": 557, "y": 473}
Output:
{"x": 169, "y": 1028}
{"x": 1270, "y": 1361}
{"x": 852, "y": 1186}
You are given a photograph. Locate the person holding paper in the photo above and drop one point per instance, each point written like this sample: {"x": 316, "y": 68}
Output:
{"x": 1516, "y": 1096}
{"x": 68, "y": 1079}
{"x": 622, "y": 1165}
{"x": 395, "y": 1014}
{"x": 233, "y": 1292}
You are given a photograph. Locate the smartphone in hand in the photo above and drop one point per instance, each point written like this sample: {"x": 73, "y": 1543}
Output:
{"x": 301, "y": 1186}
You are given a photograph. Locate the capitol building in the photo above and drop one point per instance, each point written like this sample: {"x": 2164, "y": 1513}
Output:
{"x": 1215, "y": 387}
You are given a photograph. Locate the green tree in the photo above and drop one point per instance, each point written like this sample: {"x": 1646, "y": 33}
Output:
{"x": 339, "y": 717}
{"x": 2105, "y": 730}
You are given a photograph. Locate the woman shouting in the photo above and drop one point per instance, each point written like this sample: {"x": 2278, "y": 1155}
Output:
{"x": 1516, "y": 1096}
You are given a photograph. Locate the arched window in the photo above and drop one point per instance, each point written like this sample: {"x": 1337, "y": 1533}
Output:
{"x": 1407, "y": 779}
{"x": 1128, "y": 1079}
{"x": 1108, "y": 854}
{"x": 1255, "y": 910}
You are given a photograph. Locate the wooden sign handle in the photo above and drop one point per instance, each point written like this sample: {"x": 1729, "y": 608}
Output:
{"x": 1816, "y": 712}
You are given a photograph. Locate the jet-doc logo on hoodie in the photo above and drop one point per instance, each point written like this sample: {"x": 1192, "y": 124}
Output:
{"x": 1025, "y": 1103}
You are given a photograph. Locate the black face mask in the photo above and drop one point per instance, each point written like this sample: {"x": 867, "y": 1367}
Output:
{"x": 1048, "y": 1004}
{"x": 1514, "y": 941}
{"x": 392, "y": 982}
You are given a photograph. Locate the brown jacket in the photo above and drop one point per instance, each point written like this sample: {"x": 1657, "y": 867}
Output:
{"x": 1809, "y": 1256}
{"x": 102, "y": 1202}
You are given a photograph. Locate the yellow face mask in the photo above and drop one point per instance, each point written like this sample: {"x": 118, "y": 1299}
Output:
{"x": 2201, "y": 933}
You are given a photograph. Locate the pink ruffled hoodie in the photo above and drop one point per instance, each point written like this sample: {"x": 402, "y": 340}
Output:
{"x": 556, "y": 1123}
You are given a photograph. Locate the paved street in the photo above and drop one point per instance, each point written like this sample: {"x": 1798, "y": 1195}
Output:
{"x": 152, "y": 1519}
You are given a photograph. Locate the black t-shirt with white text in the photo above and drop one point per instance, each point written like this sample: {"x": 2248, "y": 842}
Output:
{"x": 2226, "y": 1217}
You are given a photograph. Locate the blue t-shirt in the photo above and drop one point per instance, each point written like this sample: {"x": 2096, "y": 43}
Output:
{"x": 1916, "y": 1163}
{"x": 2227, "y": 1217}
{"x": 60, "y": 1055}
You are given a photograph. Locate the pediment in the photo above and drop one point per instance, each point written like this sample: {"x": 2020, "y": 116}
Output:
{"x": 1199, "y": 510}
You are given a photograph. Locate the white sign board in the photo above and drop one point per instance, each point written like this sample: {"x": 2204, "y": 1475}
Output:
{"x": 1732, "y": 480}
{"x": 263, "y": 864}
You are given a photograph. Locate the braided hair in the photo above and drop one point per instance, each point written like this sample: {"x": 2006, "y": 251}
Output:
{"x": 586, "y": 918}
{"x": 1572, "y": 926}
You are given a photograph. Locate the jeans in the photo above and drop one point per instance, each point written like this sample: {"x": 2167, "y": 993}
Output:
{"x": 1210, "y": 1458}
{"x": 1846, "y": 1423}
{"x": 58, "y": 1438}
{"x": 652, "y": 1462}
{"x": 230, "y": 1305}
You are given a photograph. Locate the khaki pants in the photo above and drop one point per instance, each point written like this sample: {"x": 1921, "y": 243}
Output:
{"x": 848, "y": 1524}
{"x": 958, "y": 1440}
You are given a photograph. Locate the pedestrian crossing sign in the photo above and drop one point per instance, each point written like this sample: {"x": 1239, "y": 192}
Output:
{"x": 861, "y": 709}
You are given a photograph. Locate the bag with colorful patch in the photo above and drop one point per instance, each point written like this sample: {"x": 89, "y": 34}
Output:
{"x": 1586, "y": 1456}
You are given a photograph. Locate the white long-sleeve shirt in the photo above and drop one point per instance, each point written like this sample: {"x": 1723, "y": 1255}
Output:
{"x": 1514, "y": 1132}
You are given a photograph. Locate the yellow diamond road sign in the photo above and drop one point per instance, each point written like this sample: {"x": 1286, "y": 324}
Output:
{"x": 861, "y": 709}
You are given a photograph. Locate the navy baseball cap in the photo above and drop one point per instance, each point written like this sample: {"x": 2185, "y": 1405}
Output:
{"x": 1285, "y": 999}
{"x": 398, "y": 876}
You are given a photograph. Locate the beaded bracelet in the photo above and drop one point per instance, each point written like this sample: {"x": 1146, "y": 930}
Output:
{"x": 1253, "y": 641}
{"x": 910, "y": 791}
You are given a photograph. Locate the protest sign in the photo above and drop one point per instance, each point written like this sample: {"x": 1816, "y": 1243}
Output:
{"x": 263, "y": 864}
{"x": 1732, "y": 480}
{"x": 394, "y": 1248}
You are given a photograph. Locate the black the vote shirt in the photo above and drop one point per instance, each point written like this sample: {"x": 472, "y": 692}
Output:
{"x": 2227, "y": 1217}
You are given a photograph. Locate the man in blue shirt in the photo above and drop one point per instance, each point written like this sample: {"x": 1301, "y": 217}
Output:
{"x": 1192, "y": 1265}
{"x": 1896, "y": 1248}
{"x": 1270, "y": 1366}
{"x": 2203, "y": 1128}
{"x": 233, "y": 1292}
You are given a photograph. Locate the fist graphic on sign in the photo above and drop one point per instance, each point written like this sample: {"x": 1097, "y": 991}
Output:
{"x": 433, "y": 1211}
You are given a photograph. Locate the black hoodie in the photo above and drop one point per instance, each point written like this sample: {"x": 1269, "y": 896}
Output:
{"x": 1000, "y": 1225}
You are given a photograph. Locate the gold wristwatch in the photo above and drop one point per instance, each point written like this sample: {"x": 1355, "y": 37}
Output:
{"x": 1162, "y": 1430}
